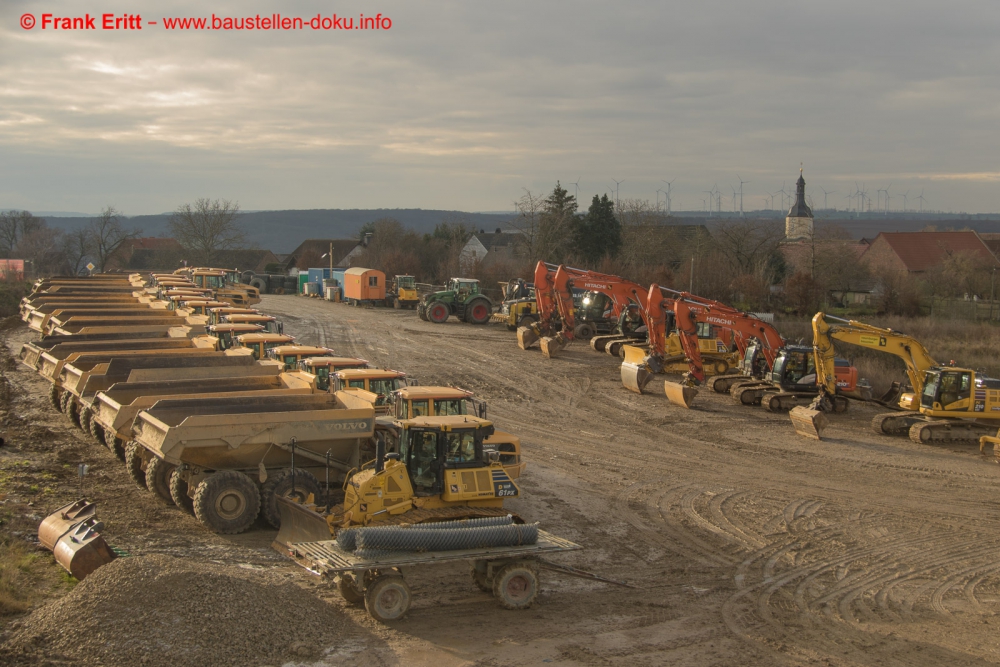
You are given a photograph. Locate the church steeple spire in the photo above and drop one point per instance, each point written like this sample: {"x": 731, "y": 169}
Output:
{"x": 799, "y": 221}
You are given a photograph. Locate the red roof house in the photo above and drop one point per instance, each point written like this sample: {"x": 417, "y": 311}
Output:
{"x": 916, "y": 252}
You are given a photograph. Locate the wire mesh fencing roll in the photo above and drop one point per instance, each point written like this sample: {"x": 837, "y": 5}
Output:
{"x": 416, "y": 539}
{"x": 347, "y": 538}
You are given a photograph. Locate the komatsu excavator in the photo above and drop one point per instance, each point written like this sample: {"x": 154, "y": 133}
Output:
{"x": 675, "y": 321}
{"x": 947, "y": 403}
{"x": 554, "y": 293}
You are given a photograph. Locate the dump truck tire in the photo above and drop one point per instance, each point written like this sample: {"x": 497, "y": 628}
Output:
{"x": 478, "y": 312}
{"x": 227, "y": 502}
{"x": 280, "y": 484}
{"x": 97, "y": 433}
{"x": 54, "y": 396}
{"x": 64, "y": 401}
{"x": 515, "y": 586}
{"x": 179, "y": 492}
{"x": 438, "y": 313}
{"x": 158, "y": 474}
{"x": 73, "y": 411}
{"x": 260, "y": 284}
{"x": 133, "y": 463}
{"x": 86, "y": 419}
{"x": 388, "y": 598}
{"x": 347, "y": 586}
{"x": 115, "y": 444}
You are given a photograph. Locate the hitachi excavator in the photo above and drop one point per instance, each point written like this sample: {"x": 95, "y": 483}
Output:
{"x": 554, "y": 293}
{"x": 675, "y": 321}
{"x": 947, "y": 403}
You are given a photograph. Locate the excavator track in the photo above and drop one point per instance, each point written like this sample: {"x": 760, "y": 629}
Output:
{"x": 721, "y": 384}
{"x": 940, "y": 431}
{"x": 895, "y": 423}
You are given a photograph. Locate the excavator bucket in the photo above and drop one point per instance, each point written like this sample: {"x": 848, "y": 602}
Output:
{"x": 82, "y": 550}
{"x": 551, "y": 345}
{"x": 635, "y": 369}
{"x": 299, "y": 523}
{"x": 63, "y": 520}
{"x": 808, "y": 423}
{"x": 679, "y": 394}
{"x": 526, "y": 337}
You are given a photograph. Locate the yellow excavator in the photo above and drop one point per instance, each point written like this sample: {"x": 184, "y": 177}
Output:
{"x": 440, "y": 473}
{"x": 946, "y": 403}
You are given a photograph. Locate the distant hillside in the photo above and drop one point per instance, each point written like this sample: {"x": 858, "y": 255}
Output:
{"x": 282, "y": 231}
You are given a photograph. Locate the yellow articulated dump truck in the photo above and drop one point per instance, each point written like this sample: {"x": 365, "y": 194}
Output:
{"x": 321, "y": 368}
{"x": 227, "y": 459}
{"x": 33, "y": 350}
{"x": 42, "y": 321}
{"x": 291, "y": 355}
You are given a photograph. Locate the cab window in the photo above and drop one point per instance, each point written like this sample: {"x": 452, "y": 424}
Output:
{"x": 359, "y": 384}
{"x": 460, "y": 449}
{"x": 447, "y": 406}
{"x": 423, "y": 461}
{"x": 704, "y": 330}
{"x": 383, "y": 388}
{"x": 420, "y": 408}
{"x": 290, "y": 360}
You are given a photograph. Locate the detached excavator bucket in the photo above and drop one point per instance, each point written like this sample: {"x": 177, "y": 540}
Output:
{"x": 526, "y": 337}
{"x": 63, "y": 520}
{"x": 679, "y": 394}
{"x": 808, "y": 423}
{"x": 82, "y": 550}
{"x": 551, "y": 345}
{"x": 299, "y": 523}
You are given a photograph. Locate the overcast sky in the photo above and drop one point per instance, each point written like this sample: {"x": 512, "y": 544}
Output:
{"x": 461, "y": 105}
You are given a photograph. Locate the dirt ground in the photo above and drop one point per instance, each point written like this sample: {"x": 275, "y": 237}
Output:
{"x": 747, "y": 544}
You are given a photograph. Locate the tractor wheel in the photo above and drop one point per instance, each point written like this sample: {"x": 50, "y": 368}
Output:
{"x": 260, "y": 284}
{"x": 478, "y": 312}
{"x": 54, "y": 396}
{"x": 422, "y": 312}
{"x": 227, "y": 502}
{"x": 347, "y": 585}
{"x": 158, "y": 474}
{"x": 134, "y": 464}
{"x": 515, "y": 586}
{"x": 438, "y": 313}
{"x": 280, "y": 484}
{"x": 388, "y": 598}
{"x": 179, "y": 492}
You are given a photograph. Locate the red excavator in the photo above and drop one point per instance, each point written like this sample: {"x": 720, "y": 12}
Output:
{"x": 554, "y": 294}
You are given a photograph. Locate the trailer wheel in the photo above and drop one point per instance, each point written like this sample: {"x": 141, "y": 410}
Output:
{"x": 438, "y": 312}
{"x": 115, "y": 444}
{"x": 158, "y": 474}
{"x": 227, "y": 502}
{"x": 515, "y": 586}
{"x": 54, "y": 396}
{"x": 281, "y": 485}
{"x": 134, "y": 464}
{"x": 388, "y": 598}
{"x": 179, "y": 492}
{"x": 347, "y": 585}
{"x": 97, "y": 432}
{"x": 480, "y": 579}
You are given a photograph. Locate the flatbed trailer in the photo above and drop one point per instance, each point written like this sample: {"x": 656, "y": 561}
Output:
{"x": 509, "y": 573}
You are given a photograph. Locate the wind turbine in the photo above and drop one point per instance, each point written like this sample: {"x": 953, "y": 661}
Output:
{"x": 668, "y": 194}
{"x": 734, "y": 198}
{"x": 742, "y": 183}
{"x": 921, "y": 199}
{"x": 904, "y": 200}
{"x": 711, "y": 197}
{"x": 617, "y": 183}
{"x": 825, "y": 194}
{"x": 576, "y": 190}
{"x": 658, "y": 199}
{"x": 886, "y": 191}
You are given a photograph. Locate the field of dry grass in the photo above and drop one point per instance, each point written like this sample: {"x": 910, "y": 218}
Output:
{"x": 969, "y": 344}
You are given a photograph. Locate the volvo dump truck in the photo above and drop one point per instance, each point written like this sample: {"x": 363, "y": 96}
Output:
{"x": 233, "y": 456}
{"x": 260, "y": 343}
{"x": 379, "y": 381}
{"x": 322, "y": 367}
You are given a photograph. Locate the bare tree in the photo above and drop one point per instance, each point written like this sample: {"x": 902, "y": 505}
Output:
{"x": 207, "y": 228}
{"x": 107, "y": 234}
{"x": 76, "y": 247}
{"x": 41, "y": 248}
{"x": 15, "y": 225}
{"x": 529, "y": 222}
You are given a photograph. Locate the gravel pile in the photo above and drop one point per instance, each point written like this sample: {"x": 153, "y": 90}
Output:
{"x": 159, "y": 610}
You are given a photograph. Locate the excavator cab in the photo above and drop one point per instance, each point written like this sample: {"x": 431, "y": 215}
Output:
{"x": 948, "y": 389}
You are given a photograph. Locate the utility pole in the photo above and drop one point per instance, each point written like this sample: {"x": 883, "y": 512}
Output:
{"x": 691, "y": 281}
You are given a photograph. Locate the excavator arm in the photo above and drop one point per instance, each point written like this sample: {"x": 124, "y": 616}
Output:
{"x": 546, "y": 301}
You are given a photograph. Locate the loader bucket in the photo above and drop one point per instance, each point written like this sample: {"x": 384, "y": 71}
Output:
{"x": 635, "y": 377}
{"x": 679, "y": 394}
{"x": 808, "y": 423}
{"x": 299, "y": 523}
{"x": 82, "y": 550}
{"x": 63, "y": 520}
{"x": 551, "y": 345}
{"x": 526, "y": 337}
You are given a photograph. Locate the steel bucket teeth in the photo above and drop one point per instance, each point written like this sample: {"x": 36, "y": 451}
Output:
{"x": 679, "y": 394}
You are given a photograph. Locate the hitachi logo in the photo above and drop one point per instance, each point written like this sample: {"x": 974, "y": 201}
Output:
{"x": 719, "y": 320}
{"x": 597, "y": 285}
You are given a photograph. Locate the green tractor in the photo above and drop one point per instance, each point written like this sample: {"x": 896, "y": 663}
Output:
{"x": 461, "y": 298}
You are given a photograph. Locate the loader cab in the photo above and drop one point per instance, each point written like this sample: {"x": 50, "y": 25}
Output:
{"x": 322, "y": 367}
{"x": 260, "y": 343}
{"x": 290, "y": 355}
{"x": 381, "y": 382}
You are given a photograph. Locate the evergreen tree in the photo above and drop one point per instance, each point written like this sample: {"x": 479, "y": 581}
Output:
{"x": 599, "y": 233}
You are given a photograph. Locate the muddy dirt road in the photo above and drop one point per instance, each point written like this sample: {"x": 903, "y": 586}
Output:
{"x": 748, "y": 545}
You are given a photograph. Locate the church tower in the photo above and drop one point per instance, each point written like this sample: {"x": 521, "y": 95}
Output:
{"x": 799, "y": 222}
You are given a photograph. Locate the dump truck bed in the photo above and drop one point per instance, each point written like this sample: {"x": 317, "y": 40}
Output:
{"x": 50, "y": 366}
{"x": 242, "y": 432}
{"x": 78, "y": 324}
{"x": 326, "y": 558}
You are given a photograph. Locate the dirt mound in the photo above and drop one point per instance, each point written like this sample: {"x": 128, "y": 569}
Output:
{"x": 159, "y": 610}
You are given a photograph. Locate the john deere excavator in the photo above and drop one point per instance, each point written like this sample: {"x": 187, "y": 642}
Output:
{"x": 554, "y": 294}
{"x": 946, "y": 404}
{"x": 440, "y": 473}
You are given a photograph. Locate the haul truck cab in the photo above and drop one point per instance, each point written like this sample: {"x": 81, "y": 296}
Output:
{"x": 380, "y": 381}
{"x": 290, "y": 355}
{"x": 322, "y": 367}
{"x": 260, "y": 343}
{"x": 269, "y": 322}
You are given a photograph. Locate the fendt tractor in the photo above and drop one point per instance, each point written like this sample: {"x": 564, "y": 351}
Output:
{"x": 461, "y": 298}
